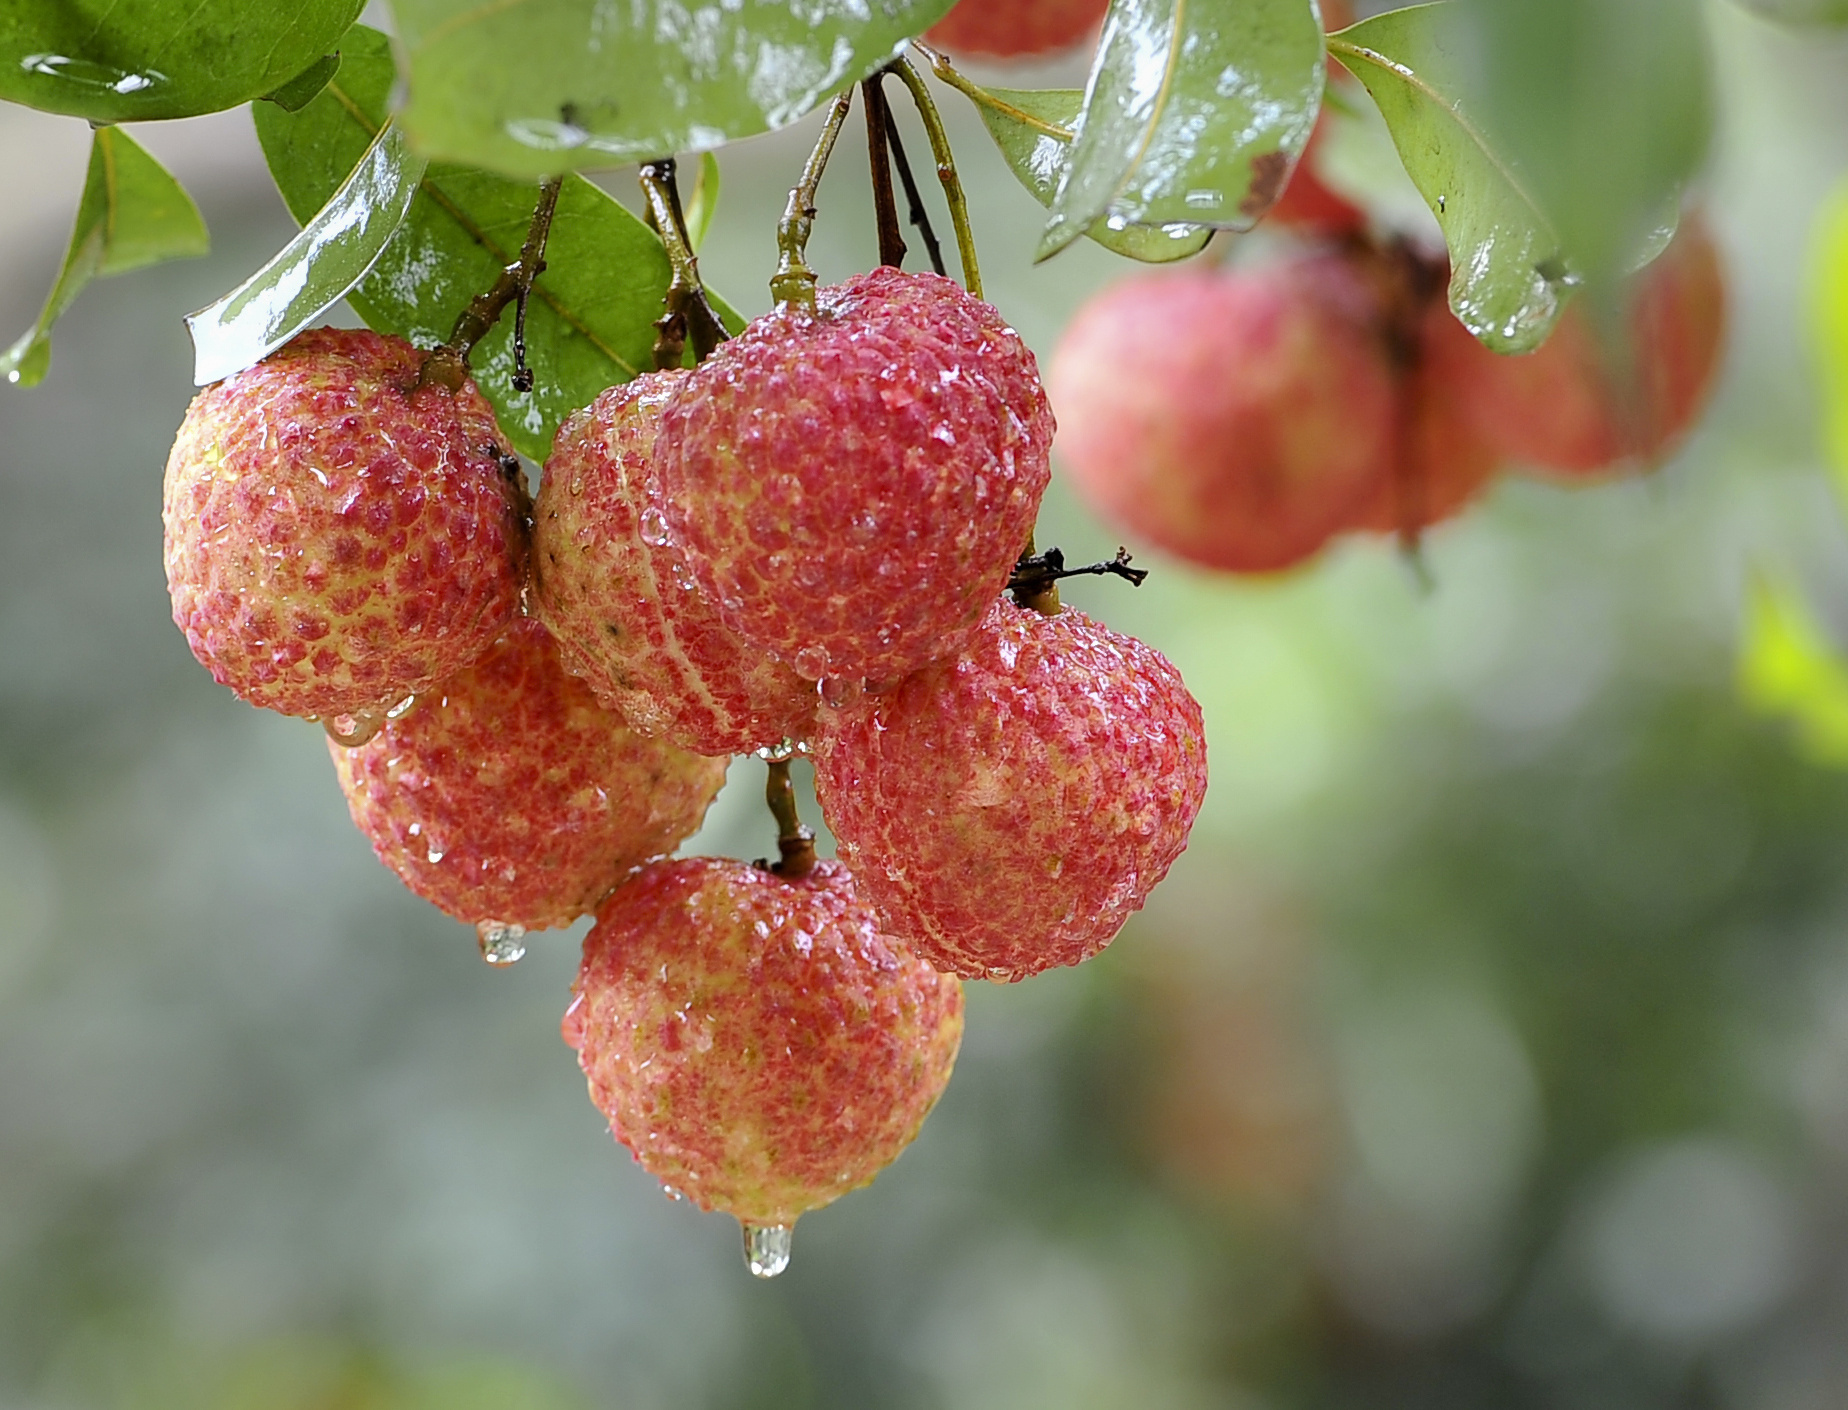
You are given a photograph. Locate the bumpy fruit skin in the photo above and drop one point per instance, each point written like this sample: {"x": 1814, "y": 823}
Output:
{"x": 1444, "y": 461}
{"x": 1565, "y": 409}
{"x": 1233, "y": 418}
{"x": 1007, "y": 810}
{"x": 852, "y": 487}
{"x": 333, "y": 542}
{"x": 1017, "y": 29}
{"x": 757, "y": 1043}
{"x": 511, "y": 795}
{"x": 621, "y": 604}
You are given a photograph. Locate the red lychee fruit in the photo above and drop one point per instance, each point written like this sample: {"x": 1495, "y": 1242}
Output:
{"x": 1235, "y": 418}
{"x": 622, "y": 605}
{"x": 757, "y": 1043}
{"x": 1444, "y": 462}
{"x": 1007, "y": 809}
{"x": 336, "y": 541}
{"x": 1308, "y": 205}
{"x": 1576, "y": 408}
{"x": 853, "y": 485}
{"x": 1017, "y": 29}
{"x": 512, "y": 799}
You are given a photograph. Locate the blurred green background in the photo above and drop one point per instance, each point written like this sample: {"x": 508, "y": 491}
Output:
{"x": 1488, "y": 1048}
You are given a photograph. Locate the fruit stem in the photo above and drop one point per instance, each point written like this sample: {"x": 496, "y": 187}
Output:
{"x": 447, "y": 365}
{"x": 946, "y": 173}
{"x": 794, "y": 842}
{"x": 917, "y": 215}
{"x": 794, "y": 281}
{"x": 688, "y": 312}
{"x": 885, "y": 202}
{"x": 1036, "y": 576}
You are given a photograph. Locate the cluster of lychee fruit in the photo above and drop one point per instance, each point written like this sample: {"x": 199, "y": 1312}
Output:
{"x": 805, "y": 543}
{"x": 1242, "y": 416}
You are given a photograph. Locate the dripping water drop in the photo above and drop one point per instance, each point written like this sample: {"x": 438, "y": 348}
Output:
{"x": 654, "y": 527}
{"x": 501, "y": 944}
{"x": 675, "y": 1195}
{"x": 766, "y": 1248}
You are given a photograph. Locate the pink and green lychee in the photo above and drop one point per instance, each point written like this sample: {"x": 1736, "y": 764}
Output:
{"x": 1234, "y": 418}
{"x": 1007, "y": 809}
{"x": 512, "y": 799}
{"x": 852, "y": 485}
{"x": 756, "y": 1042}
{"x": 337, "y": 538}
{"x": 622, "y": 605}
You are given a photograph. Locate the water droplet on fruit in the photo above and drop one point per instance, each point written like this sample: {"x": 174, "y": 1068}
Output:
{"x": 501, "y": 944}
{"x": 838, "y": 692}
{"x": 811, "y": 662}
{"x": 766, "y": 1248}
{"x": 683, "y": 576}
{"x": 397, "y": 711}
{"x": 434, "y": 855}
{"x": 654, "y": 527}
{"x": 675, "y": 1195}
{"x": 778, "y": 753}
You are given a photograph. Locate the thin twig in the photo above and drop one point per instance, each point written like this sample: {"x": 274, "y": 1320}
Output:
{"x": 794, "y": 281}
{"x": 946, "y": 173}
{"x": 447, "y": 366}
{"x": 885, "y": 203}
{"x": 688, "y": 313}
{"x": 918, "y": 216}
{"x": 1036, "y": 575}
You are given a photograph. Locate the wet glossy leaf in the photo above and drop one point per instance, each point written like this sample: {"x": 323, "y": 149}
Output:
{"x": 1604, "y": 108}
{"x": 1033, "y": 129}
{"x": 1508, "y": 275}
{"x": 557, "y": 85}
{"x": 590, "y": 322}
{"x": 1195, "y": 113}
{"x": 301, "y": 90}
{"x": 314, "y": 271}
{"x": 1790, "y": 670}
{"x": 132, "y": 60}
{"x": 132, "y": 214}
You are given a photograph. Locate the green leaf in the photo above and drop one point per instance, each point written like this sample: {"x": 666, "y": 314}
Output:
{"x": 1789, "y": 669}
{"x": 1604, "y": 108}
{"x": 1507, "y": 270}
{"x": 1830, "y": 329}
{"x": 546, "y": 86}
{"x": 702, "y": 200}
{"x": 590, "y": 323}
{"x": 132, "y": 214}
{"x": 1194, "y": 114}
{"x": 299, "y": 91}
{"x": 133, "y": 60}
{"x": 1801, "y": 12}
{"x": 1033, "y": 129}
{"x": 314, "y": 271}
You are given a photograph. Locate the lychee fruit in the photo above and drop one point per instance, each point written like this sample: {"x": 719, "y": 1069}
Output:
{"x": 1007, "y": 809}
{"x": 336, "y": 538}
{"x": 1234, "y": 418}
{"x": 1577, "y": 407}
{"x": 514, "y": 801}
{"x": 1444, "y": 462}
{"x": 756, "y": 1042}
{"x": 852, "y": 485}
{"x": 622, "y": 604}
{"x": 1017, "y": 29}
